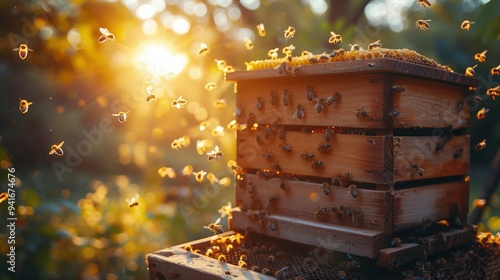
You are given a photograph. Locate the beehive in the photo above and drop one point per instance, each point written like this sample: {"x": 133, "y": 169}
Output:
{"x": 398, "y": 129}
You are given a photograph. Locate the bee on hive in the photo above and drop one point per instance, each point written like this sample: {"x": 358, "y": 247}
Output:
{"x": 106, "y": 36}
{"x": 320, "y": 214}
{"x": 325, "y": 187}
{"x": 317, "y": 164}
{"x": 290, "y": 32}
{"x": 481, "y": 114}
{"x": 374, "y": 45}
{"x": 273, "y": 53}
{"x": 122, "y": 116}
{"x": 24, "y": 105}
{"x": 215, "y": 227}
{"x": 466, "y": 24}
{"x": 56, "y": 149}
{"x": 354, "y": 47}
{"x": 306, "y": 156}
{"x": 470, "y": 71}
{"x": 134, "y": 201}
{"x": 203, "y": 50}
{"x": 334, "y": 38}
{"x": 334, "y": 98}
{"x": 23, "y": 51}
{"x": 299, "y": 113}
{"x": 395, "y": 242}
{"x": 287, "y": 97}
{"x": 423, "y": 24}
{"x": 481, "y": 57}
{"x": 424, "y": 3}
{"x": 353, "y": 191}
{"x": 328, "y": 134}
{"x": 320, "y": 104}
{"x": 261, "y": 29}
{"x": 287, "y": 51}
{"x": 345, "y": 179}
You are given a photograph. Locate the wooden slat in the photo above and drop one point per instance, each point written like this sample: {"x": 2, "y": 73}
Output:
{"x": 361, "y": 154}
{"x": 434, "y": 202}
{"x": 422, "y": 151}
{"x": 361, "y": 242}
{"x": 359, "y": 67}
{"x": 408, "y": 252}
{"x": 429, "y": 104}
{"x": 302, "y": 199}
{"x": 357, "y": 92}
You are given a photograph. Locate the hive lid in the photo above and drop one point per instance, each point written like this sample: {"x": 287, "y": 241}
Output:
{"x": 376, "y": 65}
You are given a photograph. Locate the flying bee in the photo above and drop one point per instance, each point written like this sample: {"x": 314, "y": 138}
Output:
{"x": 395, "y": 242}
{"x": 481, "y": 57}
{"x": 470, "y": 71}
{"x": 286, "y": 147}
{"x": 354, "y": 47}
{"x": 203, "y": 50}
{"x": 334, "y": 38}
{"x": 317, "y": 164}
{"x": 374, "y": 45}
{"x": 215, "y": 154}
{"x": 424, "y": 3}
{"x": 23, "y": 51}
{"x": 273, "y": 53}
{"x": 134, "y": 201}
{"x": 362, "y": 113}
{"x": 106, "y": 36}
{"x": 423, "y": 24}
{"x": 306, "y": 156}
{"x": 261, "y": 29}
{"x": 248, "y": 43}
{"x": 495, "y": 70}
{"x": 221, "y": 64}
{"x": 325, "y": 188}
{"x": 287, "y": 97}
{"x": 398, "y": 89}
{"x": 56, "y": 149}
{"x": 199, "y": 176}
{"x": 299, "y": 113}
{"x": 320, "y": 105}
{"x": 481, "y": 145}
{"x": 309, "y": 93}
{"x": 334, "y": 98}
{"x": 24, "y": 105}
{"x": 328, "y": 134}
{"x": 353, "y": 190}
{"x": 4, "y": 196}
{"x": 215, "y": 227}
{"x": 320, "y": 214}
{"x": 210, "y": 86}
{"x": 179, "y": 103}
{"x": 466, "y": 24}
{"x": 481, "y": 114}
{"x": 290, "y": 32}
{"x": 323, "y": 147}
{"x": 150, "y": 97}
{"x": 122, "y": 116}
{"x": 346, "y": 179}
{"x": 493, "y": 92}
{"x": 260, "y": 103}
{"x": 417, "y": 168}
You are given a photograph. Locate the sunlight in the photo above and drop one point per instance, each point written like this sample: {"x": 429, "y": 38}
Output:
{"x": 160, "y": 61}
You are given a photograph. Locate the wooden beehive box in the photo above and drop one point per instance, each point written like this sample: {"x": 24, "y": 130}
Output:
{"x": 400, "y": 129}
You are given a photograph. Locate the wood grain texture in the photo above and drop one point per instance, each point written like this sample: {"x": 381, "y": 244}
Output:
{"x": 302, "y": 199}
{"x": 448, "y": 161}
{"x": 361, "y": 242}
{"x": 379, "y": 65}
{"x": 361, "y": 154}
{"x": 357, "y": 93}
{"x": 434, "y": 202}
{"x": 430, "y": 104}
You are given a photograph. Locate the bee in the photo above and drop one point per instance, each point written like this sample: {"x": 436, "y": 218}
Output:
{"x": 394, "y": 113}
{"x": 266, "y": 271}
{"x": 134, "y": 201}
{"x": 56, "y": 149}
{"x": 179, "y": 103}
{"x": 458, "y": 153}
{"x": 243, "y": 257}
{"x": 199, "y": 176}
{"x": 221, "y": 64}
{"x": 242, "y": 264}
{"x": 248, "y": 43}
{"x": 290, "y": 32}
{"x": 481, "y": 57}
{"x": 353, "y": 190}
{"x": 325, "y": 188}
{"x": 495, "y": 70}
{"x": 281, "y": 132}
{"x": 328, "y": 134}
{"x": 319, "y": 106}
{"x": 341, "y": 275}
{"x": 267, "y": 155}
{"x": 334, "y": 38}
{"x": 481, "y": 145}
{"x": 374, "y": 45}
{"x": 188, "y": 248}
{"x": 320, "y": 214}
{"x": 299, "y": 113}
{"x": 273, "y": 53}
{"x": 228, "y": 69}
{"x": 361, "y": 113}
{"x": 345, "y": 179}
{"x": 424, "y": 3}
{"x": 23, "y": 51}
{"x": 354, "y": 47}
{"x": 423, "y": 24}
{"x": 470, "y": 71}
{"x": 287, "y": 51}
{"x": 309, "y": 93}
{"x": 493, "y": 92}
{"x": 419, "y": 169}
{"x": 287, "y": 98}
{"x": 317, "y": 164}
{"x": 259, "y": 103}
{"x": 24, "y": 105}
{"x": 150, "y": 97}
{"x": 398, "y": 89}
{"x": 209, "y": 253}
{"x": 4, "y": 196}
{"x": 215, "y": 227}
{"x": 270, "y": 259}
{"x": 221, "y": 258}
{"x": 261, "y": 29}
{"x": 106, "y": 36}
{"x": 204, "y": 50}
{"x": 334, "y": 98}
{"x": 466, "y": 24}
{"x": 395, "y": 242}
{"x": 215, "y": 154}
{"x": 356, "y": 215}
{"x": 481, "y": 114}
{"x": 324, "y": 148}
{"x": 210, "y": 86}
{"x": 272, "y": 97}
{"x": 122, "y": 116}
{"x": 306, "y": 156}
{"x": 338, "y": 213}
{"x": 283, "y": 184}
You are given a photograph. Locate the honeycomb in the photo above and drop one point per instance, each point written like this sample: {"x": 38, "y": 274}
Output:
{"x": 345, "y": 55}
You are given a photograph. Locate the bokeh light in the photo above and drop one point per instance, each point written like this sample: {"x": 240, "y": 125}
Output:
{"x": 160, "y": 61}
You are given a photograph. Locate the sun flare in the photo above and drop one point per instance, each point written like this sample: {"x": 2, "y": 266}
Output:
{"x": 160, "y": 61}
